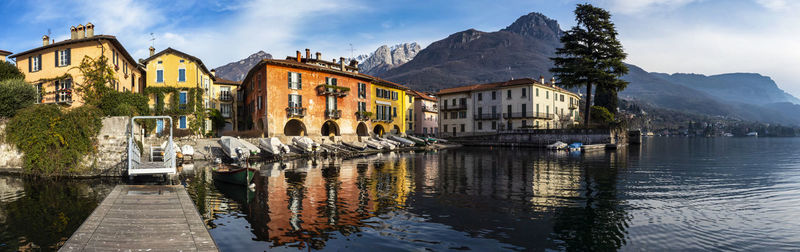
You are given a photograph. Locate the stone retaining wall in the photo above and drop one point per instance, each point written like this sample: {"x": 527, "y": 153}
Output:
{"x": 541, "y": 138}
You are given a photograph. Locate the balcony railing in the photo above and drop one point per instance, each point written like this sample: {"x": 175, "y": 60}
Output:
{"x": 363, "y": 115}
{"x": 455, "y": 107}
{"x": 529, "y": 114}
{"x": 333, "y": 114}
{"x": 295, "y": 111}
{"x": 573, "y": 105}
{"x": 494, "y": 116}
{"x": 225, "y": 96}
{"x": 433, "y": 109}
{"x": 385, "y": 120}
{"x": 332, "y": 90}
{"x": 57, "y": 97}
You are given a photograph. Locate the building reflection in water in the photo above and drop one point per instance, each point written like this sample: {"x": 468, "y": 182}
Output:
{"x": 526, "y": 198}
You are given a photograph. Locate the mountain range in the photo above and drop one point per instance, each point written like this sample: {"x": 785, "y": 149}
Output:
{"x": 236, "y": 71}
{"x": 523, "y": 49}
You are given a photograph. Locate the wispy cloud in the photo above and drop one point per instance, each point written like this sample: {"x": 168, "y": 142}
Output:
{"x": 644, "y": 6}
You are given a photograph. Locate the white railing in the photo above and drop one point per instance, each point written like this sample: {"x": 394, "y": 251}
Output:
{"x": 165, "y": 166}
{"x": 169, "y": 154}
{"x": 134, "y": 154}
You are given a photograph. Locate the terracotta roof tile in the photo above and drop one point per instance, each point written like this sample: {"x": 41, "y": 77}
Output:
{"x": 186, "y": 55}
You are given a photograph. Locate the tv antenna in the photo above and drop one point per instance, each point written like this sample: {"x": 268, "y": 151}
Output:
{"x": 48, "y": 32}
{"x": 152, "y": 40}
{"x": 352, "y": 55}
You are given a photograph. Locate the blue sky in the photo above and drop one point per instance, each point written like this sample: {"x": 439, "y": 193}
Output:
{"x": 698, "y": 36}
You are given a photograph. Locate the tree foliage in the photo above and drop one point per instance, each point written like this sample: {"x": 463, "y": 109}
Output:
{"x": 9, "y": 71}
{"x": 54, "y": 141}
{"x": 591, "y": 55}
{"x": 601, "y": 116}
{"x": 97, "y": 79}
{"x": 217, "y": 121}
{"x": 15, "y": 94}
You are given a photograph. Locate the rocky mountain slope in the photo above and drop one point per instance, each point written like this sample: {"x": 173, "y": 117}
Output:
{"x": 236, "y": 71}
{"x": 750, "y": 88}
{"x": 386, "y": 58}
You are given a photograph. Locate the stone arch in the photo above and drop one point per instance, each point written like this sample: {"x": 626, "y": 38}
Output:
{"x": 294, "y": 127}
{"x": 330, "y": 127}
{"x": 362, "y": 130}
{"x": 378, "y": 130}
{"x": 396, "y": 130}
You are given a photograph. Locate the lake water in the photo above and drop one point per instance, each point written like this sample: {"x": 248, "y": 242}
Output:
{"x": 667, "y": 194}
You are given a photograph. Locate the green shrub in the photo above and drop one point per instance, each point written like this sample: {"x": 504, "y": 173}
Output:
{"x": 15, "y": 94}
{"x": 600, "y": 115}
{"x": 115, "y": 103}
{"x": 54, "y": 141}
{"x": 9, "y": 71}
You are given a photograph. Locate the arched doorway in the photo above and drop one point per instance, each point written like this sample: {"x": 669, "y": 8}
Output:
{"x": 294, "y": 128}
{"x": 378, "y": 130}
{"x": 362, "y": 130}
{"x": 396, "y": 130}
{"x": 330, "y": 127}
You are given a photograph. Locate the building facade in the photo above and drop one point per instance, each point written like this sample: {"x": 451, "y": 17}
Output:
{"x": 224, "y": 98}
{"x": 53, "y": 67}
{"x": 425, "y": 114}
{"x": 305, "y": 96}
{"x": 514, "y": 104}
{"x": 3, "y": 55}
{"x": 172, "y": 69}
{"x": 389, "y": 103}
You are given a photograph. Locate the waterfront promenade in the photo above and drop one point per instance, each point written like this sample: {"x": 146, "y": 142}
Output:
{"x": 143, "y": 218}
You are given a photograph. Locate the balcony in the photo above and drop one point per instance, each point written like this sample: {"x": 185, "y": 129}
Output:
{"x": 494, "y": 116}
{"x": 433, "y": 109}
{"x": 573, "y": 106}
{"x": 337, "y": 91}
{"x": 384, "y": 120}
{"x": 530, "y": 114}
{"x": 363, "y": 115}
{"x": 225, "y": 96}
{"x": 455, "y": 107}
{"x": 295, "y": 112}
{"x": 63, "y": 96}
{"x": 333, "y": 114}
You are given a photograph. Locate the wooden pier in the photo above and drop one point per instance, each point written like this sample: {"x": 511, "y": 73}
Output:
{"x": 143, "y": 218}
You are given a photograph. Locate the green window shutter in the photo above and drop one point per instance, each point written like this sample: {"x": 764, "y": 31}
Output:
{"x": 39, "y": 64}
{"x": 299, "y": 81}
{"x": 290, "y": 101}
{"x": 289, "y": 78}
{"x": 69, "y": 56}
{"x": 29, "y": 64}
{"x": 56, "y": 53}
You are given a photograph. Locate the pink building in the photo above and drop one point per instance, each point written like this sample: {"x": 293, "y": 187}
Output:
{"x": 426, "y": 114}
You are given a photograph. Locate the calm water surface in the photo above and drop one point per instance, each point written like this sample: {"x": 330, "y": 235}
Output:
{"x": 668, "y": 194}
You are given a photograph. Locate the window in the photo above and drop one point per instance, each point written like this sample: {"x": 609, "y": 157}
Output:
{"x": 462, "y": 114}
{"x": 524, "y": 123}
{"x": 547, "y": 94}
{"x": 462, "y": 127}
{"x": 445, "y": 115}
{"x": 295, "y": 101}
{"x": 35, "y": 63}
{"x": 494, "y": 110}
{"x": 63, "y": 57}
{"x": 494, "y": 125}
{"x": 509, "y": 110}
{"x": 258, "y": 102}
{"x": 362, "y": 90}
{"x": 494, "y": 95}
{"x": 547, "y": 109}
{"x": 445, "y": 128}
{"x": 394, "y": 112}
{"x": 295, "y": 80}
{"x": 182, "y": 99}
{"x": 562, "y": 97}
{"x": 160, "y": 76}
{"x": 480, "y": 125}
{"x": 508, "y": 94}
{"x": 464, "y": 102}
{"x": 63, "y": 90}
{"x": 225, "y": 110}
{"x": 524, "y": 92}
{"x": 523, "y": 108}
{"x": 182, "y": 74}
{"x": 453, "y": 115}
{"x": 537, "y": 92}
{"x": 115, "y": 58}
{"x": 182, "y": 122}
{"x": 330, "y": 81}
{"x": 453, "y": 102}
{"x": 480, "y": 96}
{"x": 125, "y": 68}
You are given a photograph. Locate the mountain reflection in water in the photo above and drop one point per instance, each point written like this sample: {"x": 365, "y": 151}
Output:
{"x": 469, "y": 198}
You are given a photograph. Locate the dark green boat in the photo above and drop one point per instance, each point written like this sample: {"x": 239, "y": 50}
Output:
{"x": 233, "y": 174}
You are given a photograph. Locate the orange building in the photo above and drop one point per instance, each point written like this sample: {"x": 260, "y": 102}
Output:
{"x": 305, "y": 96}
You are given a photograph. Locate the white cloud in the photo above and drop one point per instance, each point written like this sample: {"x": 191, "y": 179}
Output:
{"x": 780, "y": 5}
{"x": 644, "y": 6}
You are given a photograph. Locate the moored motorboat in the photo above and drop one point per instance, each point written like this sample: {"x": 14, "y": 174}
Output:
{"x": 575, "y": 146}
{"x": 374, "y": 144}
{"x": 273, "y": 146}
{"x": 251, "y": 149}
{"x": 357, "y": 145}
{"x": 233, "y": 174}
{"x": 229, "y": 146}
{"x": 386, "y": 144}
{"x": 417, "y": 140}
{"x": 401, "y": 140}
{"x": 305, "y": 144}
{"x": 558, "y": 145}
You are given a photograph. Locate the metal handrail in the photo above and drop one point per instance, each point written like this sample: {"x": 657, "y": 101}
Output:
{"x": 134, "y": 154}
{"x": 169, "y": 154}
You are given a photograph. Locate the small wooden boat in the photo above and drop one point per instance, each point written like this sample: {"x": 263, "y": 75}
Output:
{"x": 233, "y": 174}
{"x": 357, "y": 145}
{"x": 386, "y": 144}
{"x": 305, "y": 144}
{"x": 432, "y": 140}
{"x": 273, "y": 146}
{"x": 403, "y": 141}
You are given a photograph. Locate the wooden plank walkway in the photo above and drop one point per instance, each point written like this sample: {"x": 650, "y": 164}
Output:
{"x": 143, "y": 218}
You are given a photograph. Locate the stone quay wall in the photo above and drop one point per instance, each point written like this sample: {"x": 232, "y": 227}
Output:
{"x": 540, "y": 138}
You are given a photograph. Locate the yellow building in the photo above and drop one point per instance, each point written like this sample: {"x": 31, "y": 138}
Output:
{"x": 3, "y": 55}
{"x": 53, "y": 67}
{"x": 186, "y": 74}
{"x": 389, "y": 103}
{"x": 225, "y": 98}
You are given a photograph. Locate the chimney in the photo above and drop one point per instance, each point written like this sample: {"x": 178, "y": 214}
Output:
{"x": 541, "y": 79}
{"x": 341, "y": 63}
{"x": 319, "y": 56}
{"x": 353, "y": 63}
{"x": 214, "y": 72}
{"x": 45, "y": 40}
{"x": 81, "y": 32}
{"x": 73, "y": 32}
{"x": 89, "y": 30}
{"x": 152, "y": 51}
{"x": 553, "y": 80}
{"x": 308, "y": 54}
{"x": 299, "y": 56}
